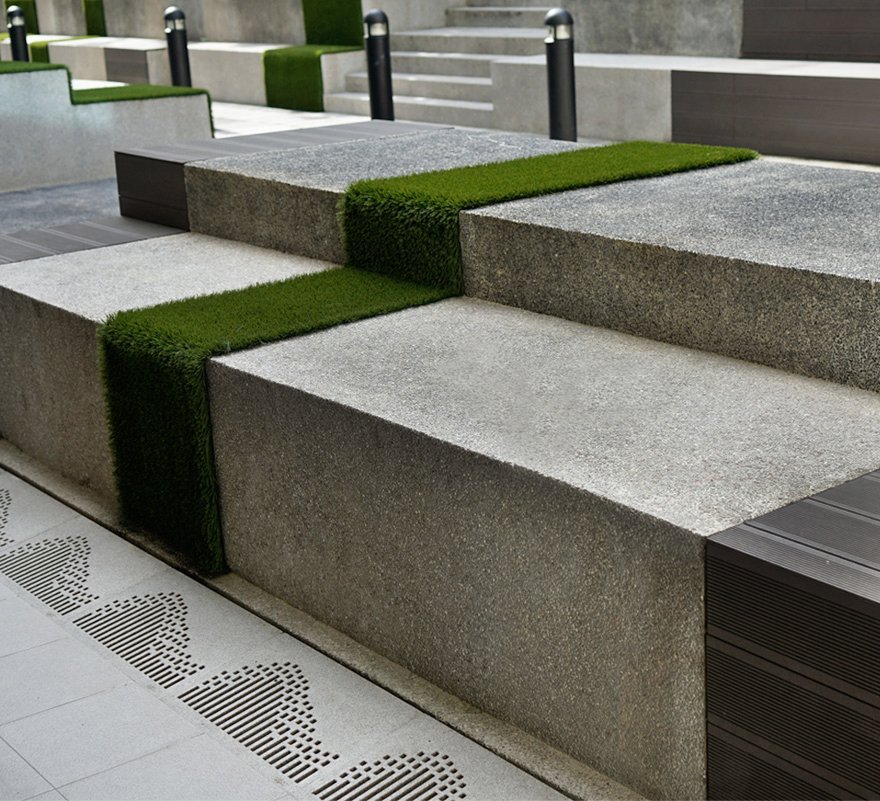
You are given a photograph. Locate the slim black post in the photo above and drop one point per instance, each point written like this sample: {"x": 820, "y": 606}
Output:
{"x": 178, "y": 55}
{"x": 379, "y": 65}
{"x": 15, "y": 24}
{"x": 560, "y": 74}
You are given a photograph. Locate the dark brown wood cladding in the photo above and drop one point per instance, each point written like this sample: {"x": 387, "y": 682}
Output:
{"x": 793, "y": 650}
{"x": 828, "y": 30}
{"x": 785, "y": 115}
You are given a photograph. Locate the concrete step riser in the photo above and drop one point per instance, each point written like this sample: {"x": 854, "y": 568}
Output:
{"x": 479, "y": 17}
{"x": 427, "y": 43}
{"x": 406, "y": 108}
{"x": 441, "y": 64}
{"x": 414, "y": 87}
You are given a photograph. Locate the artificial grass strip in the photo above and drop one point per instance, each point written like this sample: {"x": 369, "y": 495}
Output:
{"x": 134, "y": 91}
{"x": 93, "y": 11}
{"x": 293, "y": 76}
{"x": 29, "y": 7}
{"x": 27, "y": 66}
{"x": 409, "y": 226}
{"x": 156, "y": 393}
{"x": 337, "y": 22}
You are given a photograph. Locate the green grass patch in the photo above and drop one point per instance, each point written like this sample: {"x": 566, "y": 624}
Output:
{"x": 409, "y": 226}
{"x": 93, "y": 11}
{"x": 8, "y": 67}
{"x": 134, "y": 91}
{"x": 29, "y": 7}
{"x": 336, "y": 22}
{"x": 293, "y": 76}
{"x": 156, "y": 395}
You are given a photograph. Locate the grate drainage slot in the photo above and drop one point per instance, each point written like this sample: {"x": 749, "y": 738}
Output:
{"x": 5, "y": 503}
{"x": 266, "y": 709}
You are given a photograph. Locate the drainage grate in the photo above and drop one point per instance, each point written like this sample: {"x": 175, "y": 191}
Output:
{"x": 266, "y": 709}
{"x": 410, "y": 778}
{"x": 149, "y": 632}
{"x": 5, "y": 503}
{"x": 55, "y": 571}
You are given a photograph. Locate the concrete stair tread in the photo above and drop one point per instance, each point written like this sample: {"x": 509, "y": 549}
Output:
{"x": 478, "y": 32}
{"x": 465, "y": 80}
{"x": 695, "y": 439}
{"x": 404, "y": 100}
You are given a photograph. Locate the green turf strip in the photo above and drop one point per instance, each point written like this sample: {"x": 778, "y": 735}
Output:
{"x": 157, "y": 400}
{"x": 134, "y": 91}
{"x": 293, "y": 76}
{"x": 338, "y": 22}
{"x": 93, "y": 11}
{"x": 27, "y": 66}
{"x": 409, "y": 226}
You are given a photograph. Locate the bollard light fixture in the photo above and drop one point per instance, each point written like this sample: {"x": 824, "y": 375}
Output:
{"x": 560, "y": 25}
{"x": 376, "y": 37}
{"x": 560, "y": 75}
{"x": 15, "y": 23}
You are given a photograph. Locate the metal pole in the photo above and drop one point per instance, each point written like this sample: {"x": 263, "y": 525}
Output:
{"x": 16, "y": 26}
{"x": 560, "y": 74}
{"x": 379, "y": 65}
{"x": 178, "y": 55}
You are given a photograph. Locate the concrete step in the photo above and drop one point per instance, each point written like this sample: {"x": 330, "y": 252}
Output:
{"x": 475, "y": 65}
{"x": 506, "y": 3}
{"x": 499, "y": 41}
{"x": 516, "y": 507}
{"x": 497, "y": 16}
{"x": 464, "y": 113}
{"x": 226, "y": 197}
{"x": 771, "y": 262}
{"x": 446, "y": 87}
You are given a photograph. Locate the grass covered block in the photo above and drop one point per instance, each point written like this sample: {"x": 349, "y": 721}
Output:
{"x": 93, "y": 11}
{"x": 9, "y": 67}
{"x": 336, "y": 22}
{"x": 408, "y": 226}
{"x": 134, "y": 91}
{"x": 29, "y": 7}
{"x": 293, "y": 76}
{"x": 157, "y": 399}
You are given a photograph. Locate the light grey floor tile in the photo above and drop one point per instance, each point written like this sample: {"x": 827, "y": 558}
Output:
{"x": 50, "y": 675}
{"x": 199, "y": 769}
{"x": 25, "y": 511}
{"x": 52, "y": 795}
{"x": 18, "y": 780}
{"x": 95, "y": 734}
{"x": 23, "y": 627}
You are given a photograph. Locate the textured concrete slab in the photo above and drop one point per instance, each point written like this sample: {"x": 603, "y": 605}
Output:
{"x": 514, "y": 507}
{"x": 288, "y": 200}
{"x": 774, "y": 263}
{"x": 52, "y": 405}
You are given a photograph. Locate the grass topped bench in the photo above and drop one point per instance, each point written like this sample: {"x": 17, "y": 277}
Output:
{"x": 408, "y": 226}
{"x": 134, "y": 91}
{"x": 156, "y": 392}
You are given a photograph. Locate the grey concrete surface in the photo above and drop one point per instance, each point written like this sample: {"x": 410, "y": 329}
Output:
{"x": 288, "y": 200}
{"x": 406, "y": 15}
{"x": 61, "y": 16}
{"x": 57, "y": 205}
{"x": 51, "y": 403}
{"x": 53, "y": 128}
{"x": 774, "y": 263}
{"x": 513, "y": 506}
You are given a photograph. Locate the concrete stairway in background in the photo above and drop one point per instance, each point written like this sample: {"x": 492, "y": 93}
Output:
{"x": 443, "y": 74}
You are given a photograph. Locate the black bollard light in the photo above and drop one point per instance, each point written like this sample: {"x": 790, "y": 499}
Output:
{"x": 377, "y": 38}
{"x": 17, "y": 28}
{"x": 178, "y": 55}
{"x": 560, "y": 74}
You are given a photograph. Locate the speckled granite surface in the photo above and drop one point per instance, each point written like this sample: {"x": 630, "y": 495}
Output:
{"x": 288, "y": 200}
{"x": 514, "y": 506}
{"x": 774, "y": 263}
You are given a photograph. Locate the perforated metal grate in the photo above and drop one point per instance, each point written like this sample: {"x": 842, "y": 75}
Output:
{"x": 402, "y": 778}
{"x": 5, "y": 504}
{"x": 265, "y": 708}
{"x": 55, "y": 571}
{"x": 149, "y": 632}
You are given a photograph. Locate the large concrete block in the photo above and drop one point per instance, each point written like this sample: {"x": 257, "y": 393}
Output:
{"x": 288, "y": 200}
{"x": 51, "y": 398}
{"x": 231, "y": 72}
{"x": 774, "y": 263}
{"x": 514, "y": 506}
{"x": 83, "y": 57}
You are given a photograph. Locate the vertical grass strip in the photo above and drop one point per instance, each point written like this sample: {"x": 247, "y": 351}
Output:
{"x": 156, "y": 393}
{"x": 93, "y": 11}
{"x": 293, "y": 76}
{"x": 408, "y": 226}
{"x": 335, "y": 22}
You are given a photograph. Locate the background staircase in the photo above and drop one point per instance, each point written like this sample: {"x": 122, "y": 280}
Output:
{"x": 443, "y": 74}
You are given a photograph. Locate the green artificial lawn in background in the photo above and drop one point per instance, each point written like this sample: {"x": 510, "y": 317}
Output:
{"x": 134, "y": 91}
{"x": 409, "y": 226}
{"x": 334, "y": 22}
{"x": 29, "y": 7}
{"x": 93, "y": 11}
{"x": 156, "y": 393}
{"x": 293, "y": 76}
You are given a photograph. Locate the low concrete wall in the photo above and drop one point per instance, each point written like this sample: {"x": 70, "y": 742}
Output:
{"x": 61, "y": 16}
{"x": 54, "y": 129}
{"x": 230, "y": 71}
{"x": 615, "y": 103}
{"x": 679, "y": 27}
